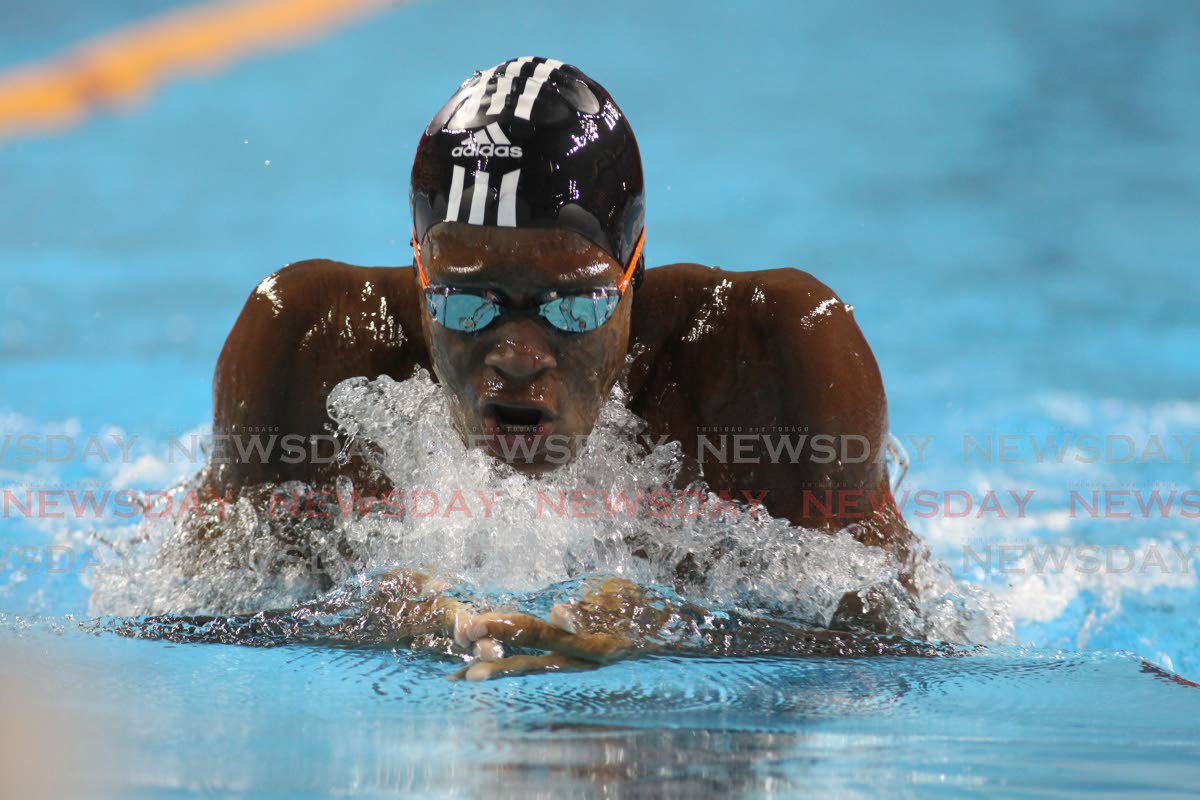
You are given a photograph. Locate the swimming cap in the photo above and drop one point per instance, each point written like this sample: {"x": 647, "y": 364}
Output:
{"x": 532, "y": 143}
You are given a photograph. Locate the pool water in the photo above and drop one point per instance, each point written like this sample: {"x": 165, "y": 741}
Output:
{"x": 1005, "y": 192}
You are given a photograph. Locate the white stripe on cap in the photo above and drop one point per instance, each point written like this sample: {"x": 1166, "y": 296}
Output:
{"x": 533, "y": 86}
{"x": 481, "y": 137}
{"x": 507, "y": 213}
{"x": 477, "y": 100}
{"x": 503, "y": 87}
{"x": 456, "y": 187}
{"x": 479, "y": 198}
{"x": 504, "y": 84}
{"x": 497, "y": 135}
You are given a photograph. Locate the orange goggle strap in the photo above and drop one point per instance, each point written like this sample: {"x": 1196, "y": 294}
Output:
{"x": 633, "y": 262}
{"x": 417, "y": 256}
{"x": 622, "y": 284}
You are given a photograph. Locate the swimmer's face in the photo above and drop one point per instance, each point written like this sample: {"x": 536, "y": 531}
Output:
{"x": 527, "y": 391}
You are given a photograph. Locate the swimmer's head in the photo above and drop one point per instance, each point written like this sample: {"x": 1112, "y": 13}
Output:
{"x": 528, "y": 217}
{"x": 532, "y": 143}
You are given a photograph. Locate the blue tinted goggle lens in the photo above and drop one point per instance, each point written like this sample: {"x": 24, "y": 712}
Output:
{"x": 579, "y": 313}
{"x": 459, "y": 311}
{"x": 469, "y": 312}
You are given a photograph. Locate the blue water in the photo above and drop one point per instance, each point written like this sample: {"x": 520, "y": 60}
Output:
{"x": 1005, "y": 191}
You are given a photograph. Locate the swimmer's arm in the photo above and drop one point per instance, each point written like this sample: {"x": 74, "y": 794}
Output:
{"x": 405, "y": 606}
{"x": 616, "y": 621}
{"x": 829, "y": 379}
{"x": 304, "y": 329}
{"x": 619, "y": 620}
{"x": 823, "y": 376}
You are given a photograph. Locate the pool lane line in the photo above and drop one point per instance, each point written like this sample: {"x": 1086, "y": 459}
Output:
{"x": 122, "y": 67}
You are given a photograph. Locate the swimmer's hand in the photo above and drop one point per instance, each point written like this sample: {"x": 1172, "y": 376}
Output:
{"x": 604, "y": 626}
{"x": 612, "y": 621}
{"x": 412, "y": 606}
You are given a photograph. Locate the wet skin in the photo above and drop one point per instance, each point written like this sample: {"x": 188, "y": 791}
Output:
{"x": 772, "y": 350}
{"x": 715, "y": 353}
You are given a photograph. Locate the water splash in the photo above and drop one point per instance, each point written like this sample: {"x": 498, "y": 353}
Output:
{"x": 458, "y": 512}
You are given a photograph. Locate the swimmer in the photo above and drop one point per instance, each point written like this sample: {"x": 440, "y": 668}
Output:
{"x": 527, "y": 292}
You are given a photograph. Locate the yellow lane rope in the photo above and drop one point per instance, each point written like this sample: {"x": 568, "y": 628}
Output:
{"x": 122, "y": 67}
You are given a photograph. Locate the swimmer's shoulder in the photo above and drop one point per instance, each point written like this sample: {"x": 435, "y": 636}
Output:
{"x": 305, "y": 296}
{"x": 756, "y": 349}
{"x": 783, "y": 300}
{"x": 303, "y": 329}
{"x": 321, "y": 280}
{"x": 782, "y": 332}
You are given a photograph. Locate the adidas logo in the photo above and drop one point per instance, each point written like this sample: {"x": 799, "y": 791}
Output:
{"x": 469, "y": 148}
{"x": 481, "y": 144}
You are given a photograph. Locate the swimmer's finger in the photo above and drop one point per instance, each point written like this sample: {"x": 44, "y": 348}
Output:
{"x": 521, "y": 665}
{"x": 458, "y": 619}
{"x": 488, "y": 650}
{"x": 562, "y": 616}
{"x": 523, "y": 630}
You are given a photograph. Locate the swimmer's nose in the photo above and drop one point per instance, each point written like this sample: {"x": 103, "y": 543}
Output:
{"x": 520, "y": 357}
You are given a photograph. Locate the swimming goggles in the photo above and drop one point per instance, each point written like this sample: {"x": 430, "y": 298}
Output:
{"x": 471, "y": 310}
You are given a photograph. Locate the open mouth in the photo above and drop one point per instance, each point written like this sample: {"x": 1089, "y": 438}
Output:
{"x": 517, "y": 433}
{"x": 518, "y": 419}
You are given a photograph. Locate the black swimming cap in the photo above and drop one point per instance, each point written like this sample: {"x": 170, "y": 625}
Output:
{"x": 535, "y": 143}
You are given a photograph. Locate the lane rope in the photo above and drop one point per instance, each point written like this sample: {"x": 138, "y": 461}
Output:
{"x": 121, "y": 68}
